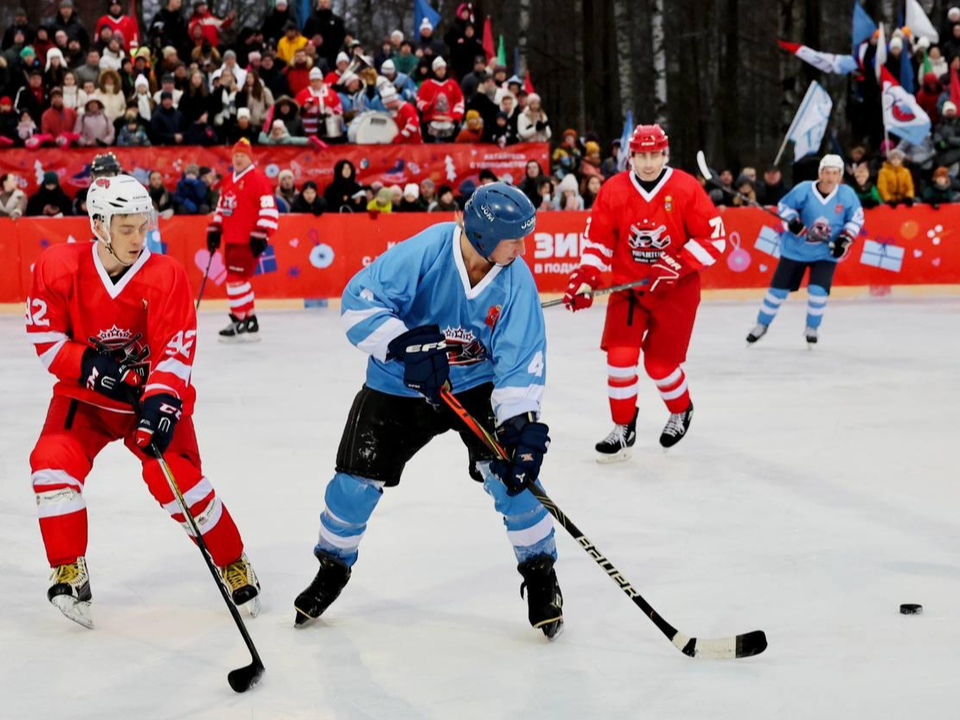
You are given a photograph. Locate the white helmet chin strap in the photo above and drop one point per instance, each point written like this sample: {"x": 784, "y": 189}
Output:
{"x": 109, "y": 245}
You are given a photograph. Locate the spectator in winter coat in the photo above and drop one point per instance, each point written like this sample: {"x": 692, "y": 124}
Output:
{"x": 440, "y": 102}
{"x": 404, "y": 84}
{"x": 591, "y": 186}
{"x": 895, "y": 182}
{"x": 719, "y": 197}
{"x": 445, "y": 200}
{"x": 244, "y": 128}
{"x": 94, "y": 127}
{"x": 201, "y": 132}
{"x": 73, "y": 97}
{"x": 50, "y": 200}
{"x": 287, "y": 110}
{"x": 275, "y": 22}
{"x": 329, "y": 27}
{"x": 404, "y": 115}
{"x": 125, "y": 25}
{"x": 9, "y": 119}
{"x": 531, "y": 179}
{"x": 210, "y": 25}
{"x": 591, "y": 160}
{"x": 298, "y": 74}
{"x": 946, "y": 136}
{"x": 166, "y": 125}
{"x": 568, "y": 194}
{"x": 545, "y": 193}
{"x": 341, "y": 193}
{"x": 308, "y": 201}
{"x": 291, "y": 41}
{"x": 141, "y": 98}
{"x": 532, "y": 123}
{"x": 747, "y": 189}
{"x": 279, "y": 135}
{"x": 190, "y": 197}
{"x": 32, "y": 97}
{"x": 111, "y": 57}
{"x": 928, "y": 95}
{"x": 429, "y": 44}
{"x": 55, "y": 69}
{"x": 382, "y": 203}
{"x": 503, "y": 133}
{"x": 465, "y": 50}
{"x": 59, "y": 121}
{"x": 162, "y": 202}
{"x": 864, "y": 188}
{"x": 610, "y": 165}
{"x": 256, "y": 98}
{"x": 110, "y": 94}
{"x": 13, "y": 201}
{"x": 410, "y": 202}
{"x": 91, "y": 70}
{"x": 286, "y": 187}
{"x": 225, "y": 91}
{"x": 230, "y": 65}
{"x": 133, "y": 134}
{"x": 938, "y": 63}
{"x": 172, "y": 27}
{"x": 20, "y": 24}
{"x": 772, "y": 189}
{"x": 472, "y": 131}
{"x": 566, "y": 158}
{"x": 67, "y": 21}
{"x": 940, "y": 189}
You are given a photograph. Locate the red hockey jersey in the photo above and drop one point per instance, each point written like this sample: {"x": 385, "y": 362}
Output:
{"x": 125, "y": 25}
{"x": 246, "y": 207}
{"x": 408, "y": 124}
{"x": 440, "y": 100}
{"x": 629, "y": 228}
{"x": 149, "y": 309}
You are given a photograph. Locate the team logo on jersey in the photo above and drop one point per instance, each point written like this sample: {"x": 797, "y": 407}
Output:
{"x": 463, "y": 348}
{"x": 647, "y": 242}
{"x": 228, "y": 203}
{"x": 819, "y": 232}
{"x": 493, "y": 314}
{"x": 125, "y": 347}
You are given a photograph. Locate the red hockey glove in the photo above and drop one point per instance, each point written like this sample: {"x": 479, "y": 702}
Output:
{"x": 665, "y": 272}
{"x": 579, "y": 294}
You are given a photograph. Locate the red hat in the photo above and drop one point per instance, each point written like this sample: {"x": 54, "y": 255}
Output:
{"x": 5, "y": 100}
{"x": 243, "y": 147}
{"x": 649, "y": 138}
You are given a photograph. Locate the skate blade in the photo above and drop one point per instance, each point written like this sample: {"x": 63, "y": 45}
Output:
{"x": 551, "y": 633}
{"x": 302, "y": 619}
{"x": 250, "y": 338}
{"x": 252, "y": 606}
{"x": 621, "y": 456}
{"x": 77, "y": 610}
{"x": 230, "y": 340}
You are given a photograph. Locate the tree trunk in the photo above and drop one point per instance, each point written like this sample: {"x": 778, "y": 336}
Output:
{"x": 625, "y": 65}
{"x": 659, "y": 61}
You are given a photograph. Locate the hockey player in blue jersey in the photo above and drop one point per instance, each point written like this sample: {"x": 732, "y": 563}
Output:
{"x": 453, "y": 304}
{"x": 821, "y": 220}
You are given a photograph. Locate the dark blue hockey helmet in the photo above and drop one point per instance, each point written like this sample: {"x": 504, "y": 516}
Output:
{"x": 497, "y": 212}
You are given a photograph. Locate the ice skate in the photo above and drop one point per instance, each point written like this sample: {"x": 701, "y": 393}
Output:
{"x": 544, "y": 599}
{"x": 331, "y": 578}
{"x": 759, "y": 330}
{"x": 233, "y": 331}
{"x": 251, "y": 330}
{"x": 676, "y": 428}
{"x": 811, "y": 334}
{"x": 70, "y": 591}
{"x": 242, "y": 582}
{"x": 618, "y": 445}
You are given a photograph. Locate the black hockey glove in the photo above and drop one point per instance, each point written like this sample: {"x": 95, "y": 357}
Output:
{"x": 796, "y": 227}
{"x": 214, "y": 236}
{"x": 158, "y": 417}
{"x": 106, "y": 376}
{"x": 525, "y": 443}
{"x": 258, "y": 244}
{"x": 841, "y": 244}
{"x": 423, "y": 352}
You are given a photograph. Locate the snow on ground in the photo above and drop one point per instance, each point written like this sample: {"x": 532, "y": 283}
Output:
{"x": 815, "y": 493}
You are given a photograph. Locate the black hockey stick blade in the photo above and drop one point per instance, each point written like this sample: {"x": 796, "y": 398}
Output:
{"x": 242, "y": 679}
{"x": 739, "y": 646}
{"x": 702, "y": 163}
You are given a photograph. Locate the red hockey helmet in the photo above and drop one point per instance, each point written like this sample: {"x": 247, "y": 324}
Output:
{"x": 649, "y": 138}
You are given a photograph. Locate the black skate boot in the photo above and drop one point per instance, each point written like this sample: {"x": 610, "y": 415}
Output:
{"x": 251, "y": 330}
{"x": 242, "y": 582}
{"x": 811, "y": 334}
{"x": 331, "y": 578}
{"x": 233, "y": 331}
{"x": 618, "y": 445}
{"x": 544, "y": 599}
{"x": 676, "y": 427}
{"x": 70, "y": 591}
{"x": 759, "y": 330}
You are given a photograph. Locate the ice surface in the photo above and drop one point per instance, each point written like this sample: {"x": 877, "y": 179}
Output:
{"x": 815, "y": 493}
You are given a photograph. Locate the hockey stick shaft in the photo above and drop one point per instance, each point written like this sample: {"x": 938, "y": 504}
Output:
{"x": 601, "y": 291}
{"x": 708, "y": 176}
{"x": 739, "y": 646}
{"x": 203, "y": 283}
{"x": 257, "y": 665}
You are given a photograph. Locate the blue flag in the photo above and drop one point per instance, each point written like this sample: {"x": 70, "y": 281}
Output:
{"x": 863, "y": 25}
{"x": 421, "y": 10}
{"x": 623, "y": 157}
{"x": 907, "y": 79}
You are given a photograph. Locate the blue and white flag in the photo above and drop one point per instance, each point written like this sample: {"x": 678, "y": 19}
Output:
{"x": 902, "y": 114}
{"x": 623, "y": 157}
{"x": 810, "y": 123}
{"x": 421, "y": 10}
{"x": 863, "y": 26}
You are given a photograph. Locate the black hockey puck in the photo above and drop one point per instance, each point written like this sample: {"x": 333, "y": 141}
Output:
{"x": 911, "y": 609}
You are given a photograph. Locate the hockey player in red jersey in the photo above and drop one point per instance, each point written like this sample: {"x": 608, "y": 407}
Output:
{"x": 652, "y": 223}
{"x": 116, "y": 325}
{"x": 246, "y": 216}
{"x": 440, "y": 101}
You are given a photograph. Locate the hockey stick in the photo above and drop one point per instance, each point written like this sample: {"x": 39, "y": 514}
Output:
{"x": 739, "y": 646}
{"x": 708, "y": 176}
{"x": 203, "y": 283}
{"x": 241, "y": 679}
{"x": 600, "y": 291}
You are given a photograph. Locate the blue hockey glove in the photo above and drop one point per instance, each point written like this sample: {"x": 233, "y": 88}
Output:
{"x": 525, "y": 443}
{"x": 423, "y": 352}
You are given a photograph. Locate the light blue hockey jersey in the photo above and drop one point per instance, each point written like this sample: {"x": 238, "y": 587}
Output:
{"x": 495, "y": 330}
{"x": 824, "y": 218}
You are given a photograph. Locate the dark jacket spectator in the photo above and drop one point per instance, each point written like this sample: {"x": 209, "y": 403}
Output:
{"x": 445, "y": 200}
{"x": 190, "y": 197}
{"x": 411, "y": 201}
{"x": 465, "y": 50}
{"x": 940, "y": 189}
{"x": 341, "y": 193}
{"x": 864, "y": 187}
{"x": 308, "y": 200}
{"x": 200, "y": 132}
{"x": 772, "y": 189}
{"x": 928, "y": 95}
{"x": 162, "y": 202}
{"x": 166, "y": 125}
{"x": 242, "y": 129}
{"x": 531, "y": 179}
{"x": 49, "y": 200}
{"x": 276, "y": 20}
{"x": 9, "y": 118}
{"x": 286, "y": 109}
{"x": 172, "y": 28}
{"x": 482, "y": 102}
{"x": 946, "y": 136}
{"x": 271, "y": 73}
{"x": 67, "y": 20}
{"x": 90, "y": 70}
{"x": 20, "y": 24}
{"x": 329, "y": 26}
{"x": 503, "y": 133}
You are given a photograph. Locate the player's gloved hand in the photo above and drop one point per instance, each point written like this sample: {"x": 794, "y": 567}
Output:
{"x": 796, "y": 227}
{"x": 258, "y": 244}
{"x": 665, "y": 272}
{"x": 158, "y": 417}
{"x": 840, "y": 246}
{"x": 423, "y": 352}
{"x": 525, "y": 443}
{"x": 214, "y": 236}
{"x": 106, "y": 376}
{"x": 579, "y": 294}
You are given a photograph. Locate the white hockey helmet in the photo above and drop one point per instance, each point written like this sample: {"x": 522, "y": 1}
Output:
{"x": 831, "y": 161}
{"x": 118, "y": 195}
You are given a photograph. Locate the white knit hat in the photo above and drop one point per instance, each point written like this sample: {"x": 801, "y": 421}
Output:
{"x": 388, "y": 66}
{"x": 316, "y": 73}
{"x": 342, "y": 57}
{"x": 426, "y": 24}
{"x": 412, "y": 189}
{"x": 438, "y": 62}
{"x": 569, "y": 182}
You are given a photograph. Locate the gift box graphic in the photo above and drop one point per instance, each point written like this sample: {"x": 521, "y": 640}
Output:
{"x": 267, "y": 262}
{"x": 882, "y": 255}
{"x": 768, "y": 241}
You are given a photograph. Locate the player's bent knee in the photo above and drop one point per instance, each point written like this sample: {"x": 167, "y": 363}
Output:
{"x": 60, "y": 452}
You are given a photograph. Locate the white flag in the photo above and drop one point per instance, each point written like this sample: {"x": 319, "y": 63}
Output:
{"x": 881, "y": 57}
{"x": 919, "y": 23}
{"x": 902, "y": 114}
{"x": 810, "y": 123}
